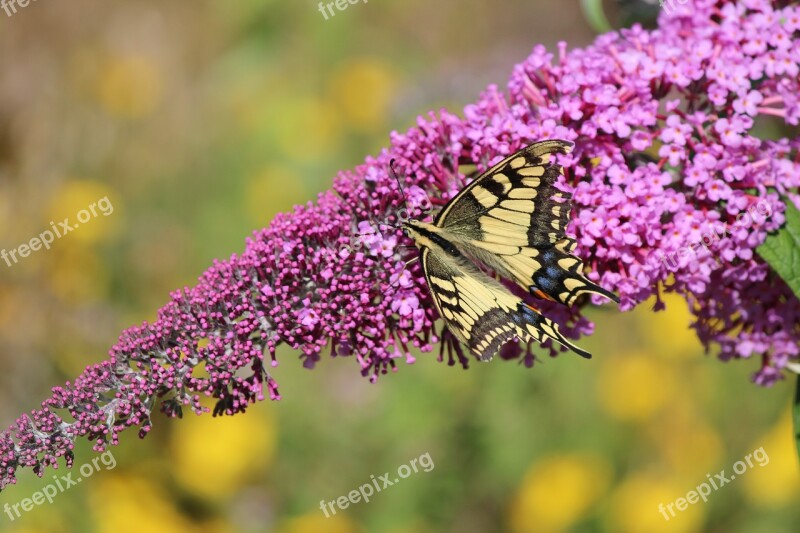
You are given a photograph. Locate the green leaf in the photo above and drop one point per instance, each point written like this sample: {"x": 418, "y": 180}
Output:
{"x": 781, "y": 250}
{"x": 644, "y": 12}
{"x": 595, "y": 16}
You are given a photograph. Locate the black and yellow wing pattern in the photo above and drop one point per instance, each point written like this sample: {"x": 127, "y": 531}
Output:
{"x": 512, "y": 218}
{"x": 480, "y": 312}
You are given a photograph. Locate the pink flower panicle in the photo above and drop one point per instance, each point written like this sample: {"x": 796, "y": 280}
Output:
{"x": 663, "y": 123}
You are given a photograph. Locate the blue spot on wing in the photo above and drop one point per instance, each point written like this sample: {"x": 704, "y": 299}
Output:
{"x": 545, "y": 283}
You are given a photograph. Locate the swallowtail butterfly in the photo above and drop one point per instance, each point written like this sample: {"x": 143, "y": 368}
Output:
{"x": 511, "y": 220}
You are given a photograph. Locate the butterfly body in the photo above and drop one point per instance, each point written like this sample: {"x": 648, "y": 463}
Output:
{"x": 510, "y": 220}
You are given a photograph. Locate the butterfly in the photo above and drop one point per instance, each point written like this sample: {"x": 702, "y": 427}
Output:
{"x": 511, "y": 220}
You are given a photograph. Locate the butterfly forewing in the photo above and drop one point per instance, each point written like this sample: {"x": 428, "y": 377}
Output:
{"x": 512, "y": 218}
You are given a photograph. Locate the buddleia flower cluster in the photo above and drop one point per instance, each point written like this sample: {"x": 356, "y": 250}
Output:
{"x": 664, "y": 123}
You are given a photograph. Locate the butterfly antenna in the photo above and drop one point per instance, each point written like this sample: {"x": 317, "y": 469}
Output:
{"x": 397, "y": 178}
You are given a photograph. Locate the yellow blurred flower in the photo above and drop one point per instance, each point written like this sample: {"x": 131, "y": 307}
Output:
{"x": 77, "y": 275}
{"x": 635, "y": 504}
{"x": 667, "y": 332}
{"x": 90, "y": 207}
{"x": 129, "y": 504}
{"x": 557, "y": 492}
{"x": 87, "y": 207}
{"x": 274, "y": 189}
{"x": 777, "y": 483}
{"x": 313, "y": 523}
{"x": 304, "y": 127}
{"x": 129, "y": 86}
{"x": 634, "y": 387}
{"x": 690, "y": 447}
{"x": 214, "y": 456}
{"x": 363, "y": 88}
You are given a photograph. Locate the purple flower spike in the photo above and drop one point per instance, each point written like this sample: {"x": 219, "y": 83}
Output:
{"x": 672, "y": 191}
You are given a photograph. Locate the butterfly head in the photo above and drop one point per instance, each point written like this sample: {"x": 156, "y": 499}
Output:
{"x": 428, "y": 235}
{"x": 415, "y": 230}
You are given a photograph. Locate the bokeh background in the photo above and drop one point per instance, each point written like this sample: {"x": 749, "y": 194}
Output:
{"x": 201, "y": 119}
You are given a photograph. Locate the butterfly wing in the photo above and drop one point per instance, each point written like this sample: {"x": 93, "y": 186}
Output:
{"x": 479, "y": 311}
{"x": 512, "y": 218}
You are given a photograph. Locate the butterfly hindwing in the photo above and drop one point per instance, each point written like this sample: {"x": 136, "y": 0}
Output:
{"x": 512, "y": 218}
{"x": 479, "y": 311}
